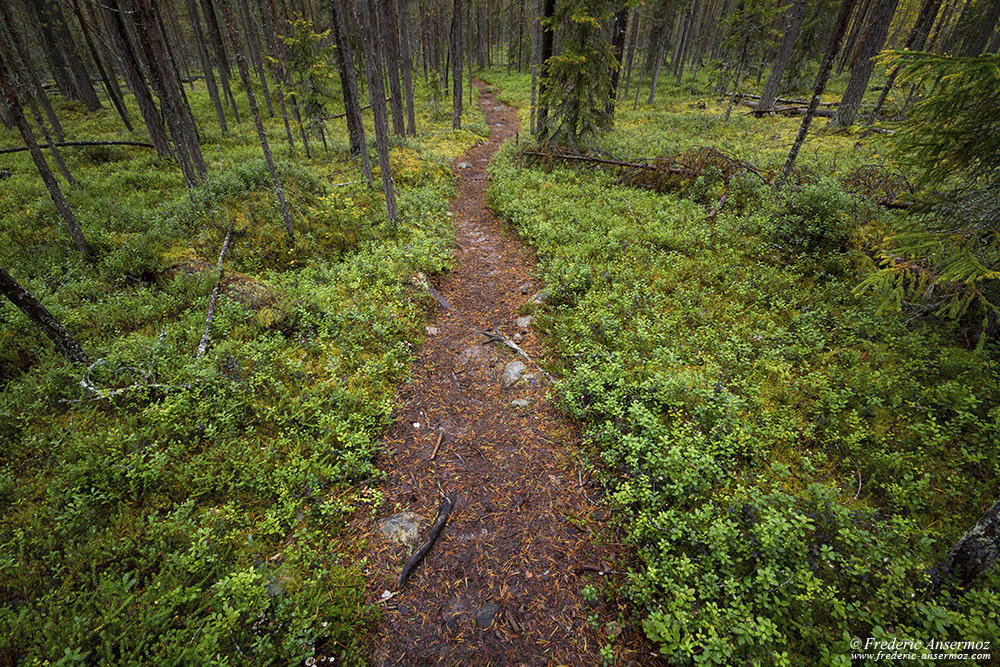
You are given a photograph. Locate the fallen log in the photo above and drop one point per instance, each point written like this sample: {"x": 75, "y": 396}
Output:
{"x": 432, "y": 535}
{"x": 684, "y": 171}
{"x": 60, "y": 144}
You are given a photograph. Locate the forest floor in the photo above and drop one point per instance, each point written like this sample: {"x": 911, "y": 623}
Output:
{"x": 503, "y": 584}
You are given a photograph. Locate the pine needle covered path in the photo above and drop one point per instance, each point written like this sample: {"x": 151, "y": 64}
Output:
{"x": 503, "y": 583}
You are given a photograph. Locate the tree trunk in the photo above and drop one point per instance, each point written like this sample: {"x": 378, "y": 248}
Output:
{"x": 219, "y": 49}
{"x": 253, "y": 48}
{"x": 56, "y": 153}
{"x": 73, "y": 79}
{"x": 114, "y": 92}
{"x": 548, "y": 33}
{"x": 972, "y": 555}
{"x": 206, "y": 65}
{"x": 349, "y": 87}
{"x": 37, "y": 91}
{"x": 255, "y": 112}
{"x": 167, "y": 88}
{"x": 871, "y": 44}
{"x": 915, "y": 42}
{"x": 793, "y": 22}
{"x": 858, "y": 29}
{"x": 48, "y": 178}
{"x": 390, "y": 39}
{"x": 43, "y": 319}
{"x": 137, "y": 81}
{"x": 535, "y": 54}
{"x": 978, "y": 34}
{"x": 376, "y": 94}
{"x": 455, "y": 55}
{"x": 407, "y": 66}
{"x": 630, "y": 58}
{"x": 661, "y": 47}
{"x": 821, "y": 78}
{"x": 618, "y": 29}
{"x": 269, "y": 14}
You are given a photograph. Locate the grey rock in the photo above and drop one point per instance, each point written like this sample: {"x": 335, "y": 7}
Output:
{"x": 432, "y": 331}
{"x": 540, "y": 298}
{"x": 486, "y": 614}
{"x": 518, "y": 337}
{"x": 525, "y": 288}
{"x": 402, "y": 528}
{"x": 463, "y": 165}
{"x": 512, "y": 372}
{"x": 523, "y": 322}
{"x": 520, "y": 403}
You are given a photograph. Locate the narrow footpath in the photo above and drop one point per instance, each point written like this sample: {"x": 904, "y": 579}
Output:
{"x": 503, "y": 584}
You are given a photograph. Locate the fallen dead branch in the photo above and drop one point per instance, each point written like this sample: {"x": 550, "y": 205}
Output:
{"x": 437, "y": 445}
{"x": 60, "y": 144}
{"x": 203, "y": 344}
{"x": 432, "y": 535}
{"x": 499, "y": 337}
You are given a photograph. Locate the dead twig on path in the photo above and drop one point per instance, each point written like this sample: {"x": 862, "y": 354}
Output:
{"x": 432, "y": 536}
{"x": 499, "y": 337}
{"x": 440, "y": 438}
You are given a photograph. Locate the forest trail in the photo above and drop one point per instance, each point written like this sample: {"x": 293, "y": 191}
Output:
{"x": 503, "y": 584}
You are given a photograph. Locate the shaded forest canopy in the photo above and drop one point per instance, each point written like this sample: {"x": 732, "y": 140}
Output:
{"x": 778, "y": 333}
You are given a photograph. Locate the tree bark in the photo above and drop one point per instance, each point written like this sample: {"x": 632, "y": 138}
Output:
{"x": 821, "y": 78}
{"x": 43, "y": 319}
{"x": 390, "y": 40}
{"x": 349, "y": 88}
{"x": 37, "y": 91}
{"x": 618, "y": 30}
{"x": 137, "y": 81}
{"x": 253, "y": 47}
{"x": 206, "y": 65}
{"x": 972, "y": 555}
{"x": 915, "y": 42}
{"x": 219, "y": 48}
{"x": 56, "y": 153}
{"x": 793, "y": 22}
{"x": 114, "y": 92}
{"x": 871, "y": 44}
{"x": 548, "y": 33}
{"x": 407, "y": 66}
{"x": 255, "y": 112}
{"x": 166, "y": 86}
{"x": 43, "y": 168}
{"x": 376, "y": 94}
{"x": 661, "y": 47}
{"x": 455, "y": 55}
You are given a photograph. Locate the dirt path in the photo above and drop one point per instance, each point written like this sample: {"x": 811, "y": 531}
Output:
{"x": 502, "y": 586}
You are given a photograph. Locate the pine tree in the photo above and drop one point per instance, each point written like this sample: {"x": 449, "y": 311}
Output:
{"x": 949, "y": 257}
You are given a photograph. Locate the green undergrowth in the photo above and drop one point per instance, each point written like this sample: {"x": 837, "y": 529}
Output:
{"x": 159, "y": 508}
{"x": 787, "y": 461}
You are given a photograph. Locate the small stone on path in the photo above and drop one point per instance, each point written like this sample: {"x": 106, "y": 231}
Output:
{"x": 432, "y": 331}
{"x": 518, "y": 337}
{"x": 401, "y": 528}
{"x": 525, "y": 288}
{"x": 486, "y": 614}
{"x": 523, "y": 322}
{"x": 512, "y": 372}
{"x": 520, "y": 403}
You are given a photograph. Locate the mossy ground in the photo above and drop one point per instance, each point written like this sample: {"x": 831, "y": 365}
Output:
{"x": 160, "y": 508}
{"x": 787, "y": 458}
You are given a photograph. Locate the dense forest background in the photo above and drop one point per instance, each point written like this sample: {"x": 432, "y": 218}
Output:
{"x": 769, "y": 233}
